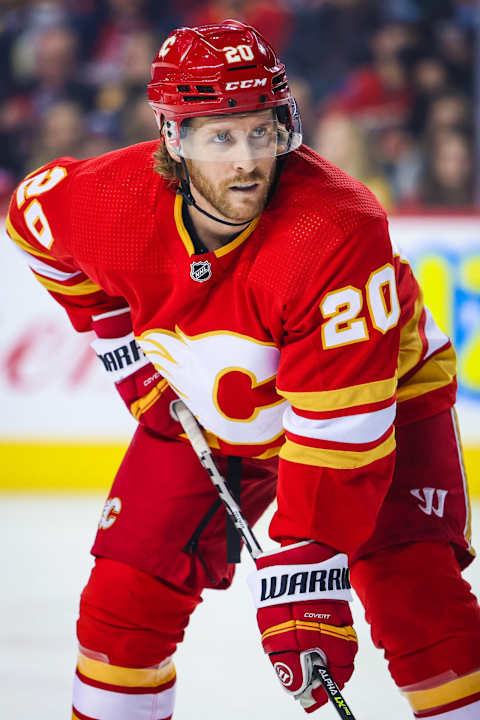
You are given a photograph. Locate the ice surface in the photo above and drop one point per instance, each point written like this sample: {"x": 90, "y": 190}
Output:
{"x": 222, "y": 671}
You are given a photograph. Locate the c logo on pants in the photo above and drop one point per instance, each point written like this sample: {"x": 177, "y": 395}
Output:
{"x": 110, "y": 511}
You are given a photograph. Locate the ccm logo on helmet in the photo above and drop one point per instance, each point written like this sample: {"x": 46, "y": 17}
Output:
{"x": 244, "y": 84}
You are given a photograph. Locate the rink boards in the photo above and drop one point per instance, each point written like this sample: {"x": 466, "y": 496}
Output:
{"x": 62, "y": 425}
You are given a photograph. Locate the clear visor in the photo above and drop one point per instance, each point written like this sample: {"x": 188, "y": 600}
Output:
{"x": 227, "y": 138}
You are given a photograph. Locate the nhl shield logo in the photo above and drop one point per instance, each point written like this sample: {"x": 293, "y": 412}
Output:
{"x": 201, "y": 271}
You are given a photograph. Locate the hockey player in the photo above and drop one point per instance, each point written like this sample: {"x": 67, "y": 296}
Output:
{"x": 232, "y": 267}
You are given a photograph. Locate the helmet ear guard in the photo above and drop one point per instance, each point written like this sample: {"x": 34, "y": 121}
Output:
{"x": 168, "y": 130}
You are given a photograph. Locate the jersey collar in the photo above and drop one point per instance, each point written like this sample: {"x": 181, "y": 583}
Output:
{"x": 220, "y": 252}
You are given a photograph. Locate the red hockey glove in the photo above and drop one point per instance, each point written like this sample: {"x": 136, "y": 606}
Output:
{"x": 301, "y": 593}
{"x": 146, "y": 394}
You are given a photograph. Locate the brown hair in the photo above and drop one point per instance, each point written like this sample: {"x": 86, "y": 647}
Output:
{"x": 165, "y": 166}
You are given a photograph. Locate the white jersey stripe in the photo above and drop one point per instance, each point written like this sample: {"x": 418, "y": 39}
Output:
{"x": 466, "y": 529}
{"x": 97, "y": 703}
{"x": 111, "y": 313}
{"x": 395, "y": 248}
{"x": 355, "y": 429}
{"x": 46, "y": 270}
{"x": 398, "y": 251}
{"x": 435, "y": 337}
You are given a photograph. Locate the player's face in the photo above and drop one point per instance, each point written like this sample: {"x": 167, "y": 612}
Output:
{"x": 232, "y": 162}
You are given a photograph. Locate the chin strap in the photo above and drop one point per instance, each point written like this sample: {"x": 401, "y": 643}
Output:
{"x": 185, "y": 191}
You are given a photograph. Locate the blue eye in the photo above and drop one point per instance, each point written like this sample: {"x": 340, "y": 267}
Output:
{"x": 259, "y": 132}
{"x": 221, "y": 137}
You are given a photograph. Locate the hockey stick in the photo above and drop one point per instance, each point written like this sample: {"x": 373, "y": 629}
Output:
{"x": 181, "y": 413}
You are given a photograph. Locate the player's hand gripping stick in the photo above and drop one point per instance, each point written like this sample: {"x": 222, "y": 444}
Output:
{"x": 311, "y": 667}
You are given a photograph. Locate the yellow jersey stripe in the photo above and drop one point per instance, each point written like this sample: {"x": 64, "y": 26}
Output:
{"x": 411, "y": 346}
{"x": 238, "y": 240}
{"x": 467, "y": 532}
{"x": 271, "y": 452}
{"x": 139, "y": 407}
{"x": 337, "y": 459}
{"x": 443, "y": 694}
{"x": 438, "y": 371}
{"x": 182, "y": 230}
{"x": 212, "y": 440}
{"x": 125, "y": 677}
{"x": 86, "y": 287}
{"x": 22, "y": 243}
{"x": 325, "y": 400}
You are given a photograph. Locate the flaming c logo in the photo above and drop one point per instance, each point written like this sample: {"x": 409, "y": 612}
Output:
{"x": 227, "y": 380}
{"x": 111, "y": 509}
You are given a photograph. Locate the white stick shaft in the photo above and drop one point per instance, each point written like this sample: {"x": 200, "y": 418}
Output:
{"x": 201, "y": 448}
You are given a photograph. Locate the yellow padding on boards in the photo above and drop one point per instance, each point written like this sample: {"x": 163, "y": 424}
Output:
{"x": 58, "y": 467}
{"x": 443, "y": 694}
{"x": 125, "y": 677}
{"x": 67, "y": 467}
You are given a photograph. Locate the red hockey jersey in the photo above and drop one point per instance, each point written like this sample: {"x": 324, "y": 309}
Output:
{"x": 306, "y": 336}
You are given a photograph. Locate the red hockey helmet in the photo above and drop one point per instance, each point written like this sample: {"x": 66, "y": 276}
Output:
{"x": 221, "y": 69}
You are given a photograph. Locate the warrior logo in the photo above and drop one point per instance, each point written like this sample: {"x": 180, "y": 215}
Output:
{"x": 201, "y": 271}
{"x": 309, "y": 581}
{"x": 284, "y": 673}
{"x": 427, "y": 495}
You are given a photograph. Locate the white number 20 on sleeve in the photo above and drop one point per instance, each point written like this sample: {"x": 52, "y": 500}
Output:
{"x": 35, "y": 218}
{"x": 342, "y": 308}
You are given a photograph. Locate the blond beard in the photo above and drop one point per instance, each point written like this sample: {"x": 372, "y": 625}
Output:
{"x": 217, "y": 195}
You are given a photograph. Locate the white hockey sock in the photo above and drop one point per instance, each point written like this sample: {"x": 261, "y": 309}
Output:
{"x": 108, "y": 692}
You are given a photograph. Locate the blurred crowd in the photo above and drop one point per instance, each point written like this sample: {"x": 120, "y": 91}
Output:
{"x": 385, "y": 87}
